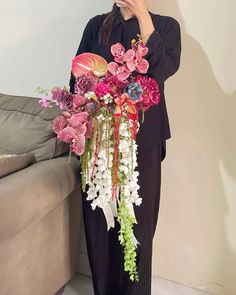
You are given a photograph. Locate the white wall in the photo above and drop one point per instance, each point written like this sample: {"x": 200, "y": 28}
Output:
{"x": 38, "y": 40}
{"x": 195, "y": 241}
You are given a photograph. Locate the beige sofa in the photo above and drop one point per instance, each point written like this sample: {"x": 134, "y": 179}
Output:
{"x": 40, "y": 207}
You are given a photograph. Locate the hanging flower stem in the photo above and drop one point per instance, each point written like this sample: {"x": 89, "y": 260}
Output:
{"x": 115, "y": 159}
{"x": 125, "y": 237}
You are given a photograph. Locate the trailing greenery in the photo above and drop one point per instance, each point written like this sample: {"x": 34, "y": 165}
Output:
{"x": 125, "y": 237}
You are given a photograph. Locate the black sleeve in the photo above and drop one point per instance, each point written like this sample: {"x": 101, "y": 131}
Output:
{"x": 164, "y": 50}
{"x": 84, "y": 46}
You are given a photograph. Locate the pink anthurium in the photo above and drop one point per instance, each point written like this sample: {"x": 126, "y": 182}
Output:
{"x": 89, "y": 62}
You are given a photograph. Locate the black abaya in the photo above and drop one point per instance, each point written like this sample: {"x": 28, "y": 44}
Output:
{"x": 104, "y": 250}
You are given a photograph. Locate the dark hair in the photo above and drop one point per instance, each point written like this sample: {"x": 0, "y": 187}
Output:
{"x": 108, "y": 25}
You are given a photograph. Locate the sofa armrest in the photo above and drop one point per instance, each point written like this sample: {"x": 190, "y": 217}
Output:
{"x": 29, "y": 194}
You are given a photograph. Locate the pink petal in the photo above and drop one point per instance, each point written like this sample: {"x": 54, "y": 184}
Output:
{"x": 80, "y": 129}
{"x": 113, "y": 67}
{"x": 119, "y": 59}
{"x": 129, "y": 55}
{"x": 79, "y": 118}
{"x": 142, "y": 49}
{"x": 138, "y": 56}
{"x": 123, "y": 75}
{"x": 131, "y": 65}
{"x": 117, "y": 49}
{"x": 66, "y": 135}
{"x": 59, "y": 123}
{"x": 143, "y": 66}
{"x": 78, "y": 100}
{"x": 66, "y": 114}
{"x": 78, "y": 146}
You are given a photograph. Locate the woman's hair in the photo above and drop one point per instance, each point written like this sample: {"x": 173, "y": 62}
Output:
{"x": 108, "y": 25}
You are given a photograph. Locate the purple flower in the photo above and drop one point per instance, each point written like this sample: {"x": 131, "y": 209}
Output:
{"x": 67, "y": 100}
{"x": 57, "y": 92}
{"x": 85, "y": 83}
{"x": 44, "y": 102}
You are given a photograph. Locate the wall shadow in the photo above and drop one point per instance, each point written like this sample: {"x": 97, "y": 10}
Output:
{"x": 207, "y": 118}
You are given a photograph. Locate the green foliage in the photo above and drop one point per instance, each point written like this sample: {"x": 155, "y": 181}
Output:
{"x": 126, "y": 221}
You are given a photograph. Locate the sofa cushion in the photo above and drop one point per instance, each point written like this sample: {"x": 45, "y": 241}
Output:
{"x": 25, "y": 127}
{"x": 12, "y": 163}
{"x": 29, "y": 194}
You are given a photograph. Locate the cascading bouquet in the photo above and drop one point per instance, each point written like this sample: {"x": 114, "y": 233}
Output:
{"x": 100, "y": 122}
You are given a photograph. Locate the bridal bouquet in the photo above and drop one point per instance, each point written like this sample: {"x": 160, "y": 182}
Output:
{"x": 100, "y": 122}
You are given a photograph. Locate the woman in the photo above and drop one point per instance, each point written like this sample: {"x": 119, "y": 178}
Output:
{"x": 161, "y": 34}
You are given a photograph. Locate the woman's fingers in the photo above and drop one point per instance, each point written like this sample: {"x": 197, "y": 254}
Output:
{"x": 121, "y": 3}
{"x": 138, "y": 7}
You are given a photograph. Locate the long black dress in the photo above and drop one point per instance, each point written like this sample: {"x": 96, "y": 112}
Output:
{"x": 104, "y": 251}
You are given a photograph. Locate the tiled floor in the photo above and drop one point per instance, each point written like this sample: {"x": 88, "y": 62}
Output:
{"x": 82, "y": 285}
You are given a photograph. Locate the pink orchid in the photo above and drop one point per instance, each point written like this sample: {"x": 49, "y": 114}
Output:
{"x": 78, "y": 145}
{"x": 138, "y": 63}
{"x": 67, "y": 134}
{"x": 59, "y": 123}
{"x": 66, "y": 114}
{"x": 78, "y": 101}
{"x": 118, "y": 50}
{"x": 78, "y": 118}
{"x": 141, "y": 48}
{"x": 80, "y": 129}
{"x": 129, "y": 55}
{"x": 122, "y": 72}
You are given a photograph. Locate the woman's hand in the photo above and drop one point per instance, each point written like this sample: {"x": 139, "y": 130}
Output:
{"x": 137, "y": 7}
{"x": 140, "y": 10}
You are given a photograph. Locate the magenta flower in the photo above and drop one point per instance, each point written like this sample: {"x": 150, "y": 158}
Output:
{"x": 150, "y": 92}
{"x": 117, "y": 86}
{"x": 101, "y": 89}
